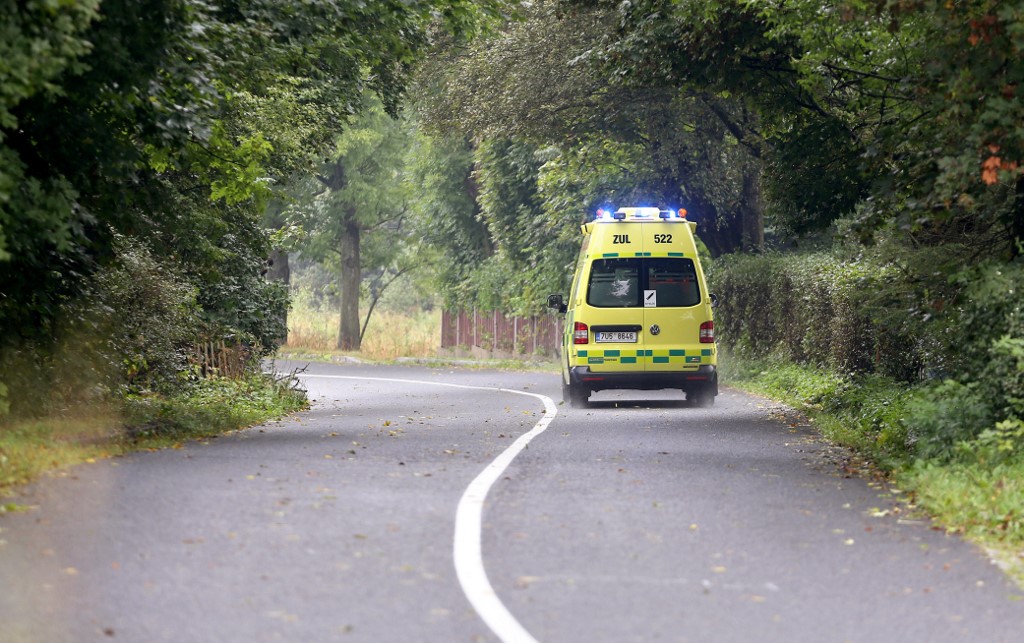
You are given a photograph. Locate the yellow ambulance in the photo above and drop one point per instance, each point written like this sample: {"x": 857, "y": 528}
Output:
{"x": 639, "y": 312}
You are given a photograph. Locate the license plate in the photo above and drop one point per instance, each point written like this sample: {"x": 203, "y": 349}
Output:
{"x": 617, "y": 337}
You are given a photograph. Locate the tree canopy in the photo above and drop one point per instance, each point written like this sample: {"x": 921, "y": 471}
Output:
{"x": 789, "y": 117}
{"x": 171, "y": 122}
{"x": 912, "y": 104}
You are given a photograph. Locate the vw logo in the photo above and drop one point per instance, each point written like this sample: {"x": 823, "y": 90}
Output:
{"x": 655, "y": 329}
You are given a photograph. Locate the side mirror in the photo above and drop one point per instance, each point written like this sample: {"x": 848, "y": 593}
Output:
{"x": 556, "y": 302}
{"x": 714, "y": 300}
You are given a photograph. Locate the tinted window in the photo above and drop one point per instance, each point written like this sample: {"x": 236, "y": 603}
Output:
{"x": 614, "y": 283}
{"x": 620, "y": 283}
{"x": 674, "y": 280}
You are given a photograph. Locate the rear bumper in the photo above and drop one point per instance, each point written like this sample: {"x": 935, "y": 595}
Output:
{"x": 706, "y": 375}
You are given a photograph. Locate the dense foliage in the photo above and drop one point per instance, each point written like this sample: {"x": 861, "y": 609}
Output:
{"x": 887, "y": 136}
{"x": 594, "y": 140}
{"x": 766, "y": 122}
{"x": 957, "y": 344}
{"x": 169, "y": 123}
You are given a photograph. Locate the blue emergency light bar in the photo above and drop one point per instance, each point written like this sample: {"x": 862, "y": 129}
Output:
{"x": 641, "y": 213}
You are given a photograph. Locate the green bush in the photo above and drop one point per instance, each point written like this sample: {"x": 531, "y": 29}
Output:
{"x": 131, "y": 329}
{"x": 210, "y": 406}
{"x": 981, "y": 402}
{"x": 812, "y": 309}
{"x": 913, "y": 319}
{"x": 150, "y": 317}
{"x": 945, "y": 414}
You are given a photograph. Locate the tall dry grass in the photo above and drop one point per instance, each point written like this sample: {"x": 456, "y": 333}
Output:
{"x": 390, "y": 334}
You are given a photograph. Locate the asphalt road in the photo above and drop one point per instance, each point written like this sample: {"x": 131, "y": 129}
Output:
{"x": 638, "y": 519}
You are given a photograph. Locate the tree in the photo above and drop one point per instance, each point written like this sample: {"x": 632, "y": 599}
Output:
{"x": 157, "y": 119}
{"x": 358, "y": 194}
{"x": 913, "y": 104}
{"x": 540, "y": 81}
{"x": 446, "y": 213}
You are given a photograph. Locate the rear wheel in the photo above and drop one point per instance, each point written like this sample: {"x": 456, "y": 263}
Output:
{"x": 702, "y": 397}
{"x": 575, "y": 395}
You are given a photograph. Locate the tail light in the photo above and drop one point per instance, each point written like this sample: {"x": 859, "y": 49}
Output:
{"x": 580, "y": 333}
{"x": 707, "y": 332}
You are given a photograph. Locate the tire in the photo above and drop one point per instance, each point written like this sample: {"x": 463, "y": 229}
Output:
{"x": 575, "y": 396}
{"x": 701, "y": 398}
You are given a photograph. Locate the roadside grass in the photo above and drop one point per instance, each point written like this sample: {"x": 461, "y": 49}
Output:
{"x": 979, "y": 495}
{"x": 30, "y": 448}
{"x": 389, "y": 335}
{"x": 212, "y": 407}
{"x": 410, "y": 337}
{"x": 984, "y": 503}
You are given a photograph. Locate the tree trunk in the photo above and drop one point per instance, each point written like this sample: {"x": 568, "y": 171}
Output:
{"x": 351, "y": 276}
{"x": 720, "y": 236}
{"x": 279, "y": 270}
{"x": 751, "y": 212}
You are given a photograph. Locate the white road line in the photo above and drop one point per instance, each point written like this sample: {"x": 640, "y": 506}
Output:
{"x": 467, "y": 550}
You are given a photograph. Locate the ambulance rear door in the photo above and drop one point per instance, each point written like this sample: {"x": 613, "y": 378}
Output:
{"x": 672, "y": 299}
{"x": 612, "y": 299}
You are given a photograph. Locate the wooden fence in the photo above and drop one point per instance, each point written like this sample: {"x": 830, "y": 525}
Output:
{"x": 493, "y": 334}
{"x": 220, "y": 359}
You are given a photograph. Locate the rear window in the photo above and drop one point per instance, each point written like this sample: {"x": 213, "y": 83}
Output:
{"x": 626, "y": 283}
